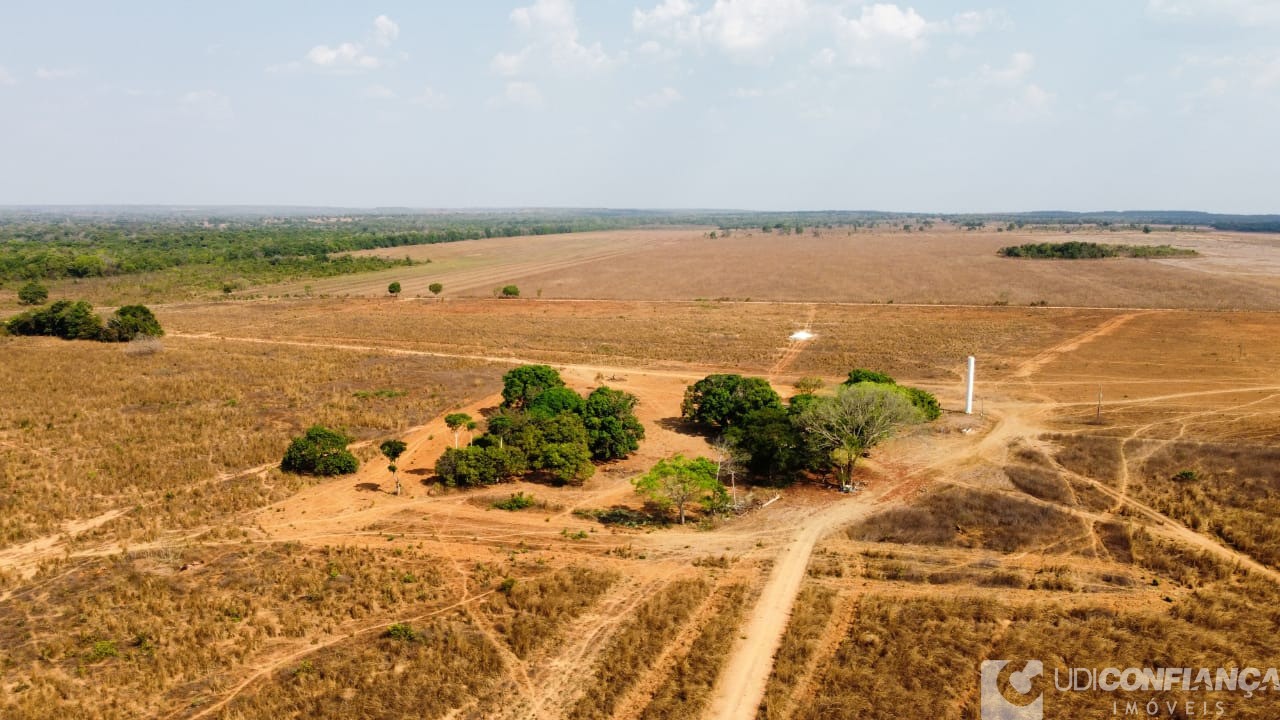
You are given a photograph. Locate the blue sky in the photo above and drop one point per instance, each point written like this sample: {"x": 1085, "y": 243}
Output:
{"x": 753, "y": 104}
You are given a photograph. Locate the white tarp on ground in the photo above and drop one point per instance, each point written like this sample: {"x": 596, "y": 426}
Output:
{"x": 802, "y": 335}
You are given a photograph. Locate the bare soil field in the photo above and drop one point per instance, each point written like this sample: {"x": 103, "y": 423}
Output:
{"x": 942, "y": 266}
{"x": 155, "y": 563}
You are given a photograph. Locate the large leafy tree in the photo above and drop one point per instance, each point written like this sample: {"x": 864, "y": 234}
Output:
{"x": 855, "y": 419}
{"x": 521, "y": 386}
{"x": 320, "y": 451}
{"x": 613, "y": 430}
{"x": 678, "y": 482}
{"x": 721, "y": 401}
{"x": 556, "y": 400}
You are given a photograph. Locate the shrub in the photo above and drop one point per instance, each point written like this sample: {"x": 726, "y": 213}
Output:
{"x": 510, "y": 291}
{"x": 613, "y": 431}
{"x": 394, "y": 288}
{"x": 403, "y": 632}
{"x": 861, "y": 375}
{"x": 517, "y": 501}
{"x": 435, "y": 288}
{"x": 33, "y": 293}
{"x": 320, "y": 451}
{"x": 64, "y": 318}
{"x": 131, "y": 321}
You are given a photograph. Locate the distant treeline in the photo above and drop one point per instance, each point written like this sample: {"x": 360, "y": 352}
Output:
{"x": 1087, "y": 250}
{"x": 47, "y": 250}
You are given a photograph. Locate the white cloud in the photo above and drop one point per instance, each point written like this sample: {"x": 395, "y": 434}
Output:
{"x": 519, "y": 94}
{"x": 1008, "y": 88}
{"x": 344, "y": 56}
{"x": 352, "y": 56}
{"x": 754, "y": 30}
{"x": 385, "y": 31}
{"x": 1031, "y": 102}
{"x": 206, "y": 105}
{"x": 973, "y": 22}
{"x": 551, "y": 28}
{"x": 429, "y": 98}
{"x": 1019, "y": 67}
{"x": 379, "y": 92}
{"x": 43, "y": 73}
{"x": 7, "y": 78}
{"x": 660, "y": 99}
{"x": 1250, "y": 13}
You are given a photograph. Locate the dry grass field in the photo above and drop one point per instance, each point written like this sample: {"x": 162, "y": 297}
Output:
{"x": 946, "y": 265}
{"x": 155, "y": 563}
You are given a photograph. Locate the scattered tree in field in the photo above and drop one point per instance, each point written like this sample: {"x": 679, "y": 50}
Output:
{"x": 320, "y": 451}
{"x": 131, "y": 321}
{"x": 477, "y": 465}
{"x": 436, "y": 289}
{"x": 720, "y": 401}
{"x": 613, "y": 430}
{"x": 392, "y": 450}
{"x": 524, "y": 384}
{"x": 510, "y": 291}
{"x": 394, "y": 289}
{"x": 456, "y": 422}
{"x": 771, "y": 445}
{"x": 33, "y": 293}
{"x": 856, "y": 419}
{"x": 809, "y": 385}
{"x": 679, "y": 481}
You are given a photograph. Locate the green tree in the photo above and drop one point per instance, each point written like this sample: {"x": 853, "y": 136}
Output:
{"x": 771, "y": 444}
{"x": 392, "y": 450}
{"x": 510, "y": 291}
{"x": 556, "y": 400}
{"x": 33, "y": 293}
{"x": 320, "y": 451}
{"x": 613, "y": 430}
{"x": 129, "y": 322}
{"x": 679, "y": 481}
{"x": 856, "y": 419}
{"x": 456, "y": 422}
{"x": 477, "y": 465}
{"x": 561, "y": 448}
{"x": 64, "y": 318}
{"x": 394, "y": 289}
{"x": 436, "y": 288}
{"x": 720, "y": 401}
{"x": 522, "y": 385}
{"x": 808, "y": 385}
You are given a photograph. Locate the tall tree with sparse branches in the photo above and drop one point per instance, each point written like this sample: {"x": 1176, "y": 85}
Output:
{"x": 855, "y": 419}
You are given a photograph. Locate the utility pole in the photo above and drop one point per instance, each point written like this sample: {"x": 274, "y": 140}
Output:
{"x": 1098, "y": 417}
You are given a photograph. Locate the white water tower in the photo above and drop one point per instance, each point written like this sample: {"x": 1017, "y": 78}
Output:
{"x": 968, "y": 397}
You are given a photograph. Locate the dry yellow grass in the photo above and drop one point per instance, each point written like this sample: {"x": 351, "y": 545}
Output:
{"x": 164, "y": 435}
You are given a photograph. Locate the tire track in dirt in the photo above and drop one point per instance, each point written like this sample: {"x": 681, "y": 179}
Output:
{"x": 1029, "y": 367}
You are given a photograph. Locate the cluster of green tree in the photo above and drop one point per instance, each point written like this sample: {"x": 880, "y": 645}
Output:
{"x": 778, "y": 442}
{"x": 320, "y": 451}
{"x": 543, "y": 429}
{"x": 77, "y": 321}
{"x": 1075, "y": 250}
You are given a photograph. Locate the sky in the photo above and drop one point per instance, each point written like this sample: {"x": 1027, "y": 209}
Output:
{"x": 931, "y": 106}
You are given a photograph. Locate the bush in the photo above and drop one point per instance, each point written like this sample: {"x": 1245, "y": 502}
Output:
{"x": 320, "y": 451}
{"x": 510, "y": 291}
{"x": 131, "y": 321}
{"x": 924, "y": 401}
{"x": 861, "y": 375}
{"x": 64, "y": 318}
{"x": 476, "y": 465}
{"x": 613, "y": 431}
{"x": 394, "y": 288}
{"x": 517, "y": 501}
{"x": 33, "y": 293}
{"x": 403, "y": 632}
